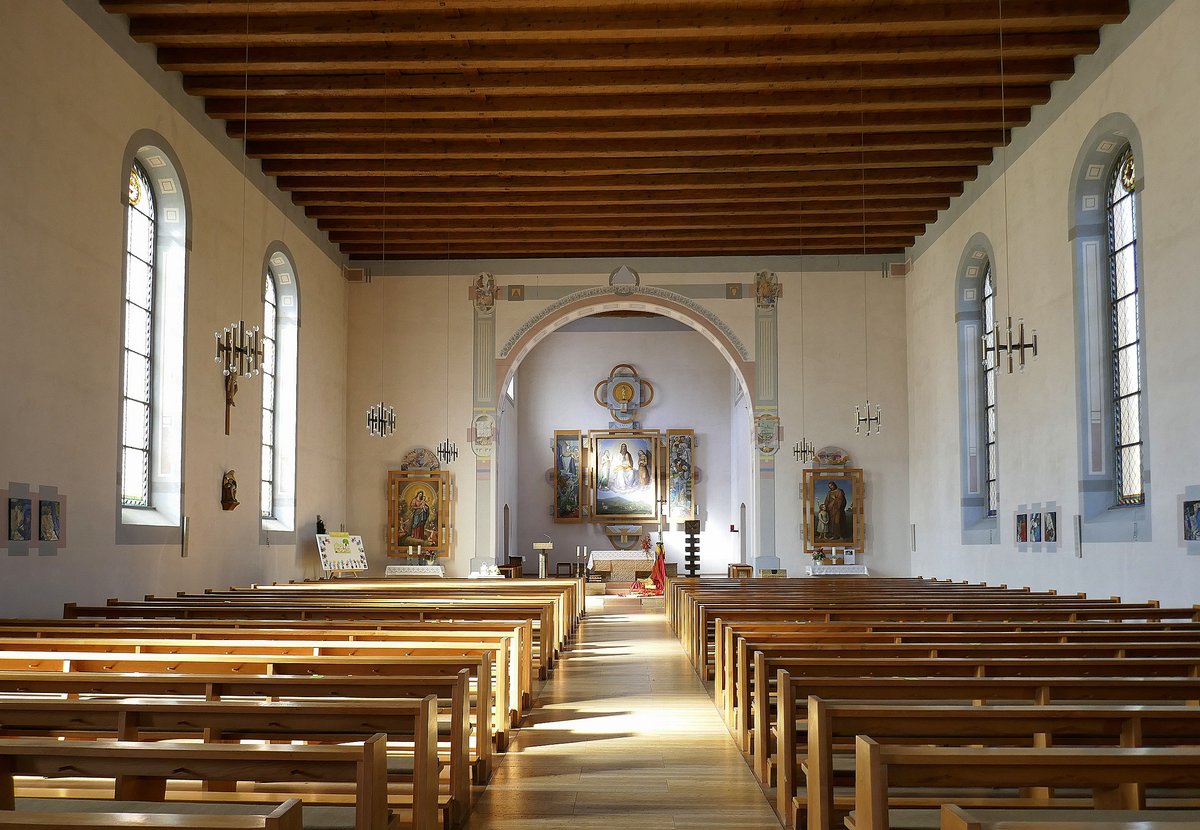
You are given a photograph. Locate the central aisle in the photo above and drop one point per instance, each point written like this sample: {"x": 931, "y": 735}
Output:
{"x": 623, "y": 736}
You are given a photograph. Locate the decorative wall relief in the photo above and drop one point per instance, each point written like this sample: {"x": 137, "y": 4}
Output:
{"x": 767, "y": 289}
{"x": 420, "y": 458}
{"x": 483, "y": 435}
{"x": 766, "y": 433}
{"x": 623, "y": 393}
{"x": 483, "y": 293}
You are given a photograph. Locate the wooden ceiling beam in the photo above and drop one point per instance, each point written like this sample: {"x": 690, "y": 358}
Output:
{"x": 463, "y": 235}
{"x": 470, "y": 148}
{"x": 540, "y": 167}
{"x": 961, "y": 72}
{"x": 611, "y": 247}
{"x": 456, "y": 57}
{"x": 632, "y": 106}
{"x": 840, "y": 123}
{"x": 854, "y": 194}
{"x": 921, "y": 209}
{"x": 674, "y": 220}
{"x": 629, "y": 25}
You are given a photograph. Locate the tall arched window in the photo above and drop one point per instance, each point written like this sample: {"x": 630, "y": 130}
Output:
{"x": 270, "y": 337}
{"x": 153, "y": 302}
{"x": 1126, "y": 330}
{"x": 138, "y": 341}
{"x": 975, "y": 320}
{"x": 281, "y": 322}
{"x": 1113, "y": 398}
{"x": 988, "y": 367}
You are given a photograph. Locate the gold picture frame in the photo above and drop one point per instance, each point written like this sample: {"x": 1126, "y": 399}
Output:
{"x": 420, "y": 512}
{"x": 569, "y": 466}
{"x": 625, "y": 475}
{"x": 833, "y": 508}
{"x": 681, "y": 475}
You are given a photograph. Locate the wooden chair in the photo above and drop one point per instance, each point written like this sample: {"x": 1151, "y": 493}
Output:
{"x": 740, "y": 572}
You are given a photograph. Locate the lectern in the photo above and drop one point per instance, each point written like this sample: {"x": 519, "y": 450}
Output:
{"x": 541, "y": 549}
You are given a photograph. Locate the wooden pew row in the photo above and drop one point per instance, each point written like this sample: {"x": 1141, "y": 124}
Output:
{"x": 954, "y": 817}
{"x": 740, "y": 688}
{"x": 766, "y": 673}
{"x": 507, "y": 696}
{"x": 450, "y": 691}
{"x": 989, "y": 611}
{"x": 350, "y": 669}
{"x": 347, "y": 611}
{"x": 728, "y": 634}
{"x": 141, "y": 770}
{"x": 833, "y": 726}
{"x": 292, "y": 630}
{"x": 571, "y": 588}
{"x": 408, "y": 723}
{"x": 1115, "y": 776}
{"x": 287, "y": 816}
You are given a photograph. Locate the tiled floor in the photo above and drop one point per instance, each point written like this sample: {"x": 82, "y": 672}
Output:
{"x": 623, "y": 736}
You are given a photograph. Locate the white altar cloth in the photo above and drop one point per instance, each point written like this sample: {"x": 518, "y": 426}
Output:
{"x": 618, "y": 556}
{"x": 836, "y": 570}
{"x": 415, "y": 570}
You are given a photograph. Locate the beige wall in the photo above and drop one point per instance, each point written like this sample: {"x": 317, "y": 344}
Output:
{"x": 70, "y": 108}
{"x": 1151, "y": 82}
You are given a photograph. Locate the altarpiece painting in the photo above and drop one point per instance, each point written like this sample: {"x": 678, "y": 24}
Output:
{"x": 568, "y": 475}
{"x": 625, "y": 472}
{"x": 419, "y": 508}
{"x": 833, "y": 508}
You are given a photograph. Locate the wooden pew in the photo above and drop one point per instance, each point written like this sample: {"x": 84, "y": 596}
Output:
{"x": 142, "y": 770}
{"x": 287, "y": 816}
{"x": 411, "y": 722}
{"x": 451, "y": 691}
{"x": 1109, "y": 773}
{"x": 353, "y": 671}
{"x": 834, "y": 724}
{"x": 766, "y": 674}
{"x": 954, "y": 817}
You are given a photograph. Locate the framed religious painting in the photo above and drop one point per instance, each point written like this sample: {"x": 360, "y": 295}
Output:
{"x": 419, "y": 513}
{"x": 681, "y": 475}
{"x": 625, "y": 472}
{"x": 833, "y": 508}
{"x": 568, "y": 475}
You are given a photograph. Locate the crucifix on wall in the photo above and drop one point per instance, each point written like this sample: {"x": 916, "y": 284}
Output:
{"x": 231, "y": 389}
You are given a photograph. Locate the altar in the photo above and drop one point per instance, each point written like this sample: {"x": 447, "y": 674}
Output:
{"x": 620, "y": 565}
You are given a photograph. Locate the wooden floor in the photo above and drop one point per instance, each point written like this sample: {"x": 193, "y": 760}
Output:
{"x": 623, "y": 736}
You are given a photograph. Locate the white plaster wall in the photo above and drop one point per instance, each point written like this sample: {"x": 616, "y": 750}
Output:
{"x": 70, "y": 107}
{"x": 691, "y": 391}
{"x": 1037, "y": 439}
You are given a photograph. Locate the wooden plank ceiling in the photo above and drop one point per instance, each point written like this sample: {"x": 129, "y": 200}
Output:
{"x": 499, "y": 128}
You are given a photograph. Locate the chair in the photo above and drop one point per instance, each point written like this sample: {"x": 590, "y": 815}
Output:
{"x": 740, "y": 572}
{"x": 564, "y": 569}
{"x": 513, "y": 568}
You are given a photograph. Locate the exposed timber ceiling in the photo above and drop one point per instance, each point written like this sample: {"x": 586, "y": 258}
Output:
{"x": 513, "y": 128}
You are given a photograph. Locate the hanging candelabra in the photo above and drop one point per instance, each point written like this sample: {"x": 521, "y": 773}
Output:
{"x": 868, "y": 417}
{"x": 803, "y": 451}
{"x": 447, "y": 451}
{"x": 868, "y": 422}
{"x": 1010, "y": 347}
{"x": 239, "y": 349}
{"x": 381, "y": 418}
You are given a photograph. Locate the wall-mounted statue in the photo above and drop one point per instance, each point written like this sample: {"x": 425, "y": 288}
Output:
{"x": 229, "y": 491}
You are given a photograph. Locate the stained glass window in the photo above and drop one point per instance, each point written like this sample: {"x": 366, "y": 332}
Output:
{"x": 990, "y": 363}
{"x": 270, "y": 332}
{"x": 138, "y": 357}
{"x": 1126, "y": 333}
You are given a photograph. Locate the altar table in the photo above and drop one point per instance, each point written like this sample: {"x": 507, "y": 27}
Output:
{"x": 620, "y": 565}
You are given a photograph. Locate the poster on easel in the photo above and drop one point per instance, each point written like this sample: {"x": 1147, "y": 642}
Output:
{"x": 341, "y": 553}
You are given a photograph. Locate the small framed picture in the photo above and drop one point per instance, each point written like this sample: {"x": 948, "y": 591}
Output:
{"x": 20, "y": 520}
{"x": 1022, "y": 528}
{"x": 49, "y": 521}
{"x": 1050, "y": 526}
{"x": 1191, "y": 521}
{"x": 1035, "y": 527}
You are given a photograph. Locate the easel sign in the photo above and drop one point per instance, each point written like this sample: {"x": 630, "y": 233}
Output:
{"x": 341, "y": 554}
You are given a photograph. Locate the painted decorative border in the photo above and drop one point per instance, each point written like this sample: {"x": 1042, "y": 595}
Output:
{"x": 606, "y": 291}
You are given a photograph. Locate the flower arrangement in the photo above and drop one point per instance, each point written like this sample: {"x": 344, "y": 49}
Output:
{"x": 819, "y": 557}
{"x": 646, "y": 544}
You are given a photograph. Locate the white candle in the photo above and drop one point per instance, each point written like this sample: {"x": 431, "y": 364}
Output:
{"x": 418, "y": 550}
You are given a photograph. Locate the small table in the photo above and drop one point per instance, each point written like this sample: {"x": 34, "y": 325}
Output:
{"x": 623, "y": 564}
{"x": 415, "y": 570}
{"x": 836, "y": 570}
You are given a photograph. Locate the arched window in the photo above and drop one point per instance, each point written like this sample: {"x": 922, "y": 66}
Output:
{"x": 281, "y": 321}
{"x": 975, "y": 319}
{"x": 150, "y": 436}
{"x": 988, "y": 366}
{"x": 1104, "y": 229}
{"x": 1126, "y": 330}
{"x": 138, "y": 341}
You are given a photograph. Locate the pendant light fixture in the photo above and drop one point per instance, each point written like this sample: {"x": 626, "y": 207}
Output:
{"x": 803, "y": 451}
{"x": 447, "y": 451}
{"x": 867, "y": 416}
{"x": 239, "y": 350}
{"x": 381, "y": 418}
{"x": 1012, "y": 348}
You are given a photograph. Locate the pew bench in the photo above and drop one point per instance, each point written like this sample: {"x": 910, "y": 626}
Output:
{"x": 44, "y": 814}
{"x": 833, "y": 725}
{"x": 954, "y": 817}
{"x": 142, "y": 770}
{"x": 1114, "y": 776}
